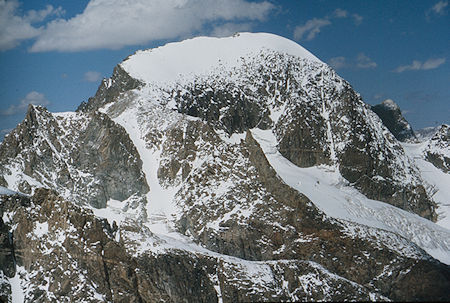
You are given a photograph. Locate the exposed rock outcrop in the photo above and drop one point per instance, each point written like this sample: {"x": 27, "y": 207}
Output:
{"x": 110, "y": 89}
{"x": 258, "y": 166}
{"x": 438, "y": 149}
{"x": 87, "y": 157}
{"x": 317, "y": 117}
{"x": 391, "y": 115}
{"x": 86, "y": 259}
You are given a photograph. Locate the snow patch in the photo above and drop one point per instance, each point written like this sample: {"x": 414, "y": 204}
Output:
{"x": 6, "y": 191}
{"x": 112, "y": 212}
{"x": 390, "y": 104}
{"x": 17, "y": 292}
{"x": 40, "y": 229}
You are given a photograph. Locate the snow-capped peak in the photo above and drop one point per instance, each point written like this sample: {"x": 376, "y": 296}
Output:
{"x": 390, "y": 103}
{"x": 199, "y": 55}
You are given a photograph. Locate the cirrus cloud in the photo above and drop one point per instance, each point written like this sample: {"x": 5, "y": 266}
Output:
{"x": 357, "y": 19}
{"x": 15, "y": 28}
{"x": 439, "y": 8}
{"x": 33, "y": 97}
{"x": 431, "y": 63}
{"x": 340, "y": 13}
{"x": 312, "y": 27}
{"x": 92, "y": 76}
{"x": 338, "y": 62}
{"x": 229, "y": 29}
{"x": 361, "y": 61}
{"x": 113, "y": 24}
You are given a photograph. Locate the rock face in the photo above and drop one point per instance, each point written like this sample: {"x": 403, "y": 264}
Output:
{"x": 389, "y": 112}
{"x": 63, "y": 252}
{"x": 315, "y": 115}
{"x": 426, "y": 133}
{"x": 110, "y": 89}
{"x": 83, "y": 259}
{"x": 240, "y": 176}
{"x": 87, "y": 157}
{"x": 438, "y": 149}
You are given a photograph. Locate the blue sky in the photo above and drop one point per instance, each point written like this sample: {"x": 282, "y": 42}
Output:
{"x": 55, "y": 53}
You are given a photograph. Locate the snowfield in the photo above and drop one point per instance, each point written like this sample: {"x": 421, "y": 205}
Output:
{"x": 165, "y": 64}
{"x": 439, "y": 181}
{"x": 330, "y": 192}
{"x": 323, "y": 185}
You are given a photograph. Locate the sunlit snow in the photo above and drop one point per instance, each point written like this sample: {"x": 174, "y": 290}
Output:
{"x": 194, "y": 57}
{"x": 329, "y": 191}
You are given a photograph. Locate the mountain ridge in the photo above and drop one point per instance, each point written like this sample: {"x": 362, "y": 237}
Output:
{"x": 246, "y": 181}
{"x": 389, "y": 112}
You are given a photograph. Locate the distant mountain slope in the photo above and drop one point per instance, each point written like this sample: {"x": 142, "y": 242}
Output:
{"x": 392, "y": 118}
{"x": 218, "y": 169}
{"x": 85, "y": 157}
{"x": 316, "y": 115}
{"x": 432, "y": 156}
{"x": 438, "y": 149}
{"x": 426, "y": 133}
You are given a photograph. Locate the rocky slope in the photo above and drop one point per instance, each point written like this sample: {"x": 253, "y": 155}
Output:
{"x": 426, "y": 133}
{"x": 85, "y": 157}
{"x": 432, "y": 157}
{"x": 84, "y": 258}
{"x": 315, "y": 114}
{"x": 240, "y": 174}
{"x": 391, "y": 115}
{"x": 437, "y": 150}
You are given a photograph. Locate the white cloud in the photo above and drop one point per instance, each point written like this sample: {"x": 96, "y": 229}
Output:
{"x": 439, "y": 8}
{"x": 92, "y": 76}
{"x": 228, "y": 29}
{"x": 34, "y": 16}
{"x": 433, "y": 63}
{"x": 15, "y": 28}
{"x": 418, "y": 65}
{"x": 32, "y": 97}
{"x": 338, "y": 62}
{"x": 116, "y": 23}
{"x": 360, "y": 62}
{"x": 378, "y": 96}
{"x": 357, "y": 18}
{"x": 364, "y": 62}
{"x": 310, "y": 29}
{"x": 340, "y": 13}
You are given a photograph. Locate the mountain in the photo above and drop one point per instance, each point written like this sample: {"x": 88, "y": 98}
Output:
{"x": 389, "y": 112}
{"x": 426, "y": 133}
{"x": 432, "y": 157}
{"x": 218, "y": 169}
{"x": 437, "y": 150}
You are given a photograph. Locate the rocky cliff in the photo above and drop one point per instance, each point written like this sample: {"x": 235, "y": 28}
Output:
{"x": 86, "y": 157}
{"x": 391, "y": 115}
{"x": 437, "y": 150}
{"x": 61, "y": 252}
{"x": 253, "y": 173}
